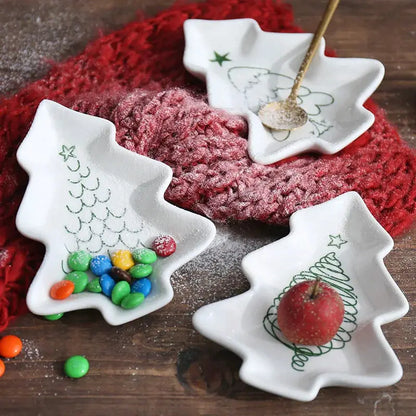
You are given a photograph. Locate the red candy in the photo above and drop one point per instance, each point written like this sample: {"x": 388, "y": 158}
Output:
{"x": 61, "y": 290}
{"x": 2, "y": 368}
{"x": 164, "y": 245}
{"x": 10, "y": 346}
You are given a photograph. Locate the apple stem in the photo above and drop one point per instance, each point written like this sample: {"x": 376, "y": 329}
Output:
{"x": 315, "y": 288}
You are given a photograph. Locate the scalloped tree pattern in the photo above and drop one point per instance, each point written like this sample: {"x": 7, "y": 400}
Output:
{"x": 97, "y": 222}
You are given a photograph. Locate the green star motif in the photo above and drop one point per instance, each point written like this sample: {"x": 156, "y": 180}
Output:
{"x": 336, "y": 241}
{"x": 220, "y": 58}
{"x": 67, "y": 152}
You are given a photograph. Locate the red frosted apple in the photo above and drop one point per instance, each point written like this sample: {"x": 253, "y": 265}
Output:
{"x": 310, "y": 313}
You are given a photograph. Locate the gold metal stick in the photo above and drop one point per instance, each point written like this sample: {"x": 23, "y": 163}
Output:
{"x": 286, "y": 115}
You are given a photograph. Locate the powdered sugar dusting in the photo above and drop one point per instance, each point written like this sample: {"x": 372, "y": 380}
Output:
{"x": 50, "y": 30}
{"x": 31, "y": 351}
{"x": 22, "y": 58}
{"x": 216, "y": 274}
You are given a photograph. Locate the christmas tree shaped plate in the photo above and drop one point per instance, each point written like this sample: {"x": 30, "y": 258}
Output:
{"x": 245, "y": 68}
{"x": 341, "y": 243}
{"x": 86, "y": 192}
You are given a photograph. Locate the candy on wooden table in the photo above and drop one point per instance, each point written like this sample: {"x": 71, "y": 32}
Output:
{"x": 143, "y": 285}
{"x": 54, "y": 316}
{"x": 62, "y": 289}
{"x": 119, "y": 274}
{"x": 100, "y": 264}
{"x": 132, "y": 300}
{"x": 79, "y": 260}
{"x": 164, "y": 245}
{"x": 2, "y": 368}
{"x": 141, "y": 270}
{"x": 144, "y": 255}
{"x": 76, "y": 366}
{"x": 10, "y": 346}
{"x": 122, "y": 259}
{"x": 107, "y": 284}
{"x": 94, "y": 285}
{"x": 79, "y": 279}
{"x": 119, "y": 292}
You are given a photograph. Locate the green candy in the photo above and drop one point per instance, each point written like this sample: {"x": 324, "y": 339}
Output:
{"x": 132, "y": 300}
{"x": 119, "y": 292}
{"x": 141, "y": 270}
{"x": 144, "y": 255}
{"x": 79, "y": 279}
{"x": 94, "y": 286}
{"x": 79, "y": 260}
{"x": 76, "y": 366}
{"x": 54, "y": 316}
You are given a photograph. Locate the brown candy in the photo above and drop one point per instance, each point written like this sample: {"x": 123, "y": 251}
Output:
{"x": 119, "y": 274}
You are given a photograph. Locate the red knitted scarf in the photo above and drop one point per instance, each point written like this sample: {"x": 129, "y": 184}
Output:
{"x": 135, "y": 78}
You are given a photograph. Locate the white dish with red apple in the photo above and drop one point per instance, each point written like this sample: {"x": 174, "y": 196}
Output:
{"x": 312, "y": 317}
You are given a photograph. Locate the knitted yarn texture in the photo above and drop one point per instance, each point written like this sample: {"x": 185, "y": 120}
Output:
{"x": 135, "y": 78}
{"x": 213, "y": 174}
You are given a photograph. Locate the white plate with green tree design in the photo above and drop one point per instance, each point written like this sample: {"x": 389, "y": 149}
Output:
{"x": 86, "y": 192}
{"x": 246, "y": 68}
{"x": 340, "y": 242}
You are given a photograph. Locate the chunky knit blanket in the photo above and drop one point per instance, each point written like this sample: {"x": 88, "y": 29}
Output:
{"x": 135, "y": 78}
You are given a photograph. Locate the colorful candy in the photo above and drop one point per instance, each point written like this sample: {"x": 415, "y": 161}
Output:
{"x": 79, "y": 260}
{"x": 61, "y": 290}
{"x": 94, "y": 285}
{"x": 142, "y": 285}
{"x": 132, "y": 300}
{"x": 122, "y": 259}
{"x": 144, "y": 255}
{"x": 10, "y": 346}
{"x": 107, "y": 284}
{"x": 100, "y": 264}
{"x": 123, "y": 276}
{"x": 164, "y": 245}
{"x": 76, "y": 366}
{"x": 54, "y": 316}
{"x": 119, "y": 292}
{"x": 79, "y": 279}
{"x": 141, "y": 270}
{"x": 119, "y": 274}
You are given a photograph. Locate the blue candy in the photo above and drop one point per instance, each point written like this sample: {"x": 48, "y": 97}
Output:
{"x": 100, "y": 265}
{"x": 142, "y": 285}
{"x": 107, "y": 284}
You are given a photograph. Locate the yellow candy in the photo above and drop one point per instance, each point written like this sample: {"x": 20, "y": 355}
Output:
{"x": 122, "y": 259}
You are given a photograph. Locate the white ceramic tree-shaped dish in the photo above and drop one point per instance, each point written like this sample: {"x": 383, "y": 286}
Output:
{"x": 86, "y": 192}
{"x": 245, "y": 68}
{"x": 342, "y": 243}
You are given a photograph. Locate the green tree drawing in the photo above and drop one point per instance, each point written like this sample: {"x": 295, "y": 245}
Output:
{"x": 260, "y": 86}
{"x": 96, "y": 221}
{"x": 329, "y": 270}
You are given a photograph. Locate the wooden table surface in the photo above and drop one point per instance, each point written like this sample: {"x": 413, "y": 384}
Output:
{"x": 159, "y": 365}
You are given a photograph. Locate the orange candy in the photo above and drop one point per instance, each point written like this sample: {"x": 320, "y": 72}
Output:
{"x": 10, "y": 346}
{"x": 2, "y": 368}
{"x": 62, "y": 289}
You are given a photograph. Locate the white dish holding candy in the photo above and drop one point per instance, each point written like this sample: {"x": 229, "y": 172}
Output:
{"x": 86, "y": 192}
{"x": 341, "y": 242}
{"x": 245, "y": 68}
